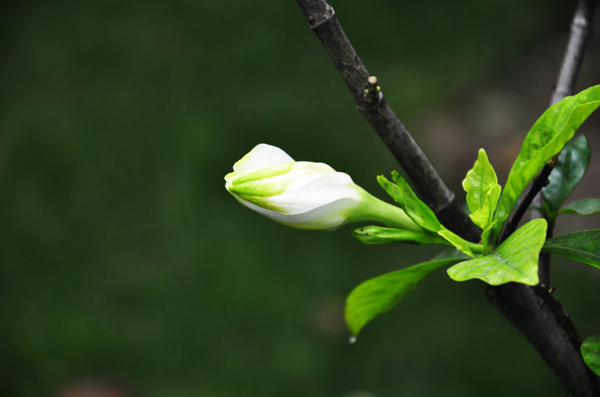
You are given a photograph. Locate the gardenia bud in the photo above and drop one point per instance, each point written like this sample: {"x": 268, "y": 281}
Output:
{"x": 306, "y": 195}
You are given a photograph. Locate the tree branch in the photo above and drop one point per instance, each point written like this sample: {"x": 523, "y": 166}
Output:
{"x": 539, "y": 182}
{"x": 566, "y": 360}
{"x": 373, "y": 106}
{"x": 544, "y": 259}
{"x": 518, "y": 302}
{"x": 581, "y": 28}
{"x": 561, "y": 315}
{"x": 527, "y": 311}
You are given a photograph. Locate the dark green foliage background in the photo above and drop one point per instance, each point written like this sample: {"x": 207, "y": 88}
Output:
{"x": 122, "y": 256}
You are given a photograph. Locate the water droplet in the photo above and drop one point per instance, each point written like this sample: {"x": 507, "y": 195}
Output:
{"x": 352, "y": 339}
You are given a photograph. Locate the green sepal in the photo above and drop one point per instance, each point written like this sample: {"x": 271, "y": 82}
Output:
{"x": 420, "y": 213}
{"x": 547, "y": 137}
{"x": 417, "y": 210}
{"x": 384, "y": 235}
{"x": 378, "y": 295}
{"x": 590, "y": 351}
{"x": 582, "y": 246}
{"x": 515, "y": 260}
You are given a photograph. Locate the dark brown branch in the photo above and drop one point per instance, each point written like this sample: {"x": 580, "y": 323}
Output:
{"x": 581, "y": 28}
{"x": 561, "y": 315}
{"x": 539, "y": 182}
{"x": 544, "y": 258}
{"x": 569, "y": 366}
{"x": 548, "y": 327}
{"x": 374, "y": 108}
{"x": 544, "y": 262}
{"x": 537, "y": 322}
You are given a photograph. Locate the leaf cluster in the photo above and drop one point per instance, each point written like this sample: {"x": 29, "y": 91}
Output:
{"x": 501, "y": 256}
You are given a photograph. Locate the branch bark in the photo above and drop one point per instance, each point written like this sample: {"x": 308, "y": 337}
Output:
{"x": 581, "y": 28}
{"x": 559, "y": 344}
{"x": 518, "y": 302}
{"x": 527, "y": 311}
{"x": 549, "y": 328}
{"x": 373, "y": 106}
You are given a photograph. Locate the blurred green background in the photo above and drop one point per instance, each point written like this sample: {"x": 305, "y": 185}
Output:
{"x": 125, "y": 264}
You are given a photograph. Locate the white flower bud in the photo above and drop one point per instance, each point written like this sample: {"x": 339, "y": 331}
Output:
{"x": 305, "y": 195}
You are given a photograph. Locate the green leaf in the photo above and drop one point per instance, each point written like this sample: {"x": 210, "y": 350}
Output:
{"x": 478, "y": 184}
{"x": 515, "y": 260}
{"x": 546, "y": 138}
{"x": 567, "y": 173}
{"x": 586, "y": 206}
{"x": 484, "y": 217}
{"x": 583, "y": 246}
{"x": 417, "y": 210}
{"x": 383, "y": 235}
{"x": 590, "y": 351}
{"x": 378, "y": 295}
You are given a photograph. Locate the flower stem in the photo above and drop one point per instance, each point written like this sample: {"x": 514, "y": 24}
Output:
{"x": 374, "y": 209}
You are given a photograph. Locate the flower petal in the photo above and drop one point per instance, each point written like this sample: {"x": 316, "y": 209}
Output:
{"x": 326, "y": 217}
{"x": 299, "y": 198}
{"x": 261, "y": 156}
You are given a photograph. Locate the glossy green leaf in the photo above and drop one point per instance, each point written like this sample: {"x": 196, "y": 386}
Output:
{"x": 515, "y": 260}
{"x": 484, "y": 217}
{"x": 590, "y": 351}
{"x": 479, "y": 183}
{"x": 547, "y": 137}
{"x": 586, "y": 206}
{"x": 583, "y": 246}
{"x": 568, "y": 171}
{"x": 383, "y": 235}
{"x": 417, "y": 210}
{"x": 378, "y": 295}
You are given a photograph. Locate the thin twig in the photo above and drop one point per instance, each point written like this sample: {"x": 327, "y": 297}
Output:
{"x": 581, "y": 28}
{"x": 544, "y": 257}
{"x": 539, "y": 182}
{"x": 425, "y": 179}
{"x": 544, "y": 262}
